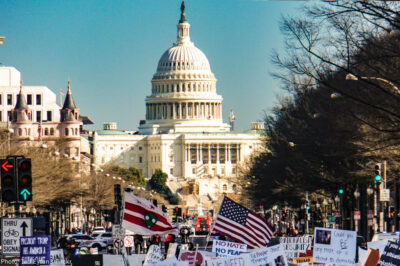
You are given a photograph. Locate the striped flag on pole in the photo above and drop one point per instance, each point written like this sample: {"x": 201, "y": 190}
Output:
{"x": 142, "y": 217}
{"x": 242, "y": 225}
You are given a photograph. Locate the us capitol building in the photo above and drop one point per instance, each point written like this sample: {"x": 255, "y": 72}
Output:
{"x": 183, "y": 133}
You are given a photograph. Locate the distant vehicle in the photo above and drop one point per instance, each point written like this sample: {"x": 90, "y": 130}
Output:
{"x": 203, "y": 225}
{"x": 100, "y": 241}
{"x": 98, "y": 229}
{"x": 79, "y": 238}
{"x": 385, "y": 236}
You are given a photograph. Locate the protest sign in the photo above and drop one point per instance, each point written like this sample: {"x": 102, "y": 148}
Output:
{"x": 302, "y": 260}
{"x": 135, "y": 259}
{"x": 189, "y": 257}
{"x": 294, "y": 245}
{"x": 153, "y": 255}
{"x": 57, "y": 257}
{"x": 171, "y": 250}
{"x": 228, "y": 261}
{"x": 391, "y": 254}
{"x": 334, "y": 246}
{"x": 226, "y": 248}
{"x": 172, "y": 261}
{"x": 371, "y": 258}
{"x": 274, "y": 255}
{"x": 35, "y": 249}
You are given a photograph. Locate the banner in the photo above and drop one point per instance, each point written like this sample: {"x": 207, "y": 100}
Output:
{"x": 294, "y": 245}
{"x": 334, "y": 246}
{"x": 226, "y": 248}
{"x": 274, "y": 255}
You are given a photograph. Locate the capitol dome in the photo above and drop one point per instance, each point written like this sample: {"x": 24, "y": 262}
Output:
{"x": 183, "y": 95}
{"x": 183, "y": 57}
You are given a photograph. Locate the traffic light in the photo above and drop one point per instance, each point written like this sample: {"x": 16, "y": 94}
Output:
{"x": 164, "y": 208}
{"x": 378, "y": 167}
{"x": 284, "y": 215}
{"x": 24, "y": 179}
{"x": 175, "y": 211}
{"x": 155, "y": 202}
{"x": 8, "y": 180}
{"x": 340, "y": 190}
{"x": 117, "y": 195}
{"x": 179, "y": 212}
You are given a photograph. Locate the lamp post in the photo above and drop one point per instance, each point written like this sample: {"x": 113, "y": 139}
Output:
{"x": 337, "y": 207}
{"x": 370, "y": 191}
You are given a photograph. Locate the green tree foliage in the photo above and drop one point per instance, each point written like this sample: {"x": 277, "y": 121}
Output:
{"x": 130, "y": 174}
{"x": 158, "y": 181}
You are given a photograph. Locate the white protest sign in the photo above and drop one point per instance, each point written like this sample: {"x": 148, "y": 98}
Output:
{"x": 153, "y": 255}
{"x": 116, "y": 260}
{"x": 172, "y": 261}
{"x": 12, "y": 230}
{"x": 274, "y": 255}
{"x": 134, "y": 259}
{"x": 226, "y": 248}
{"x": 57, "y": 257}
{"x": 294, "y": 245}
{"x": 228, "y": 261}
{"x": 171, "y": 250}
{"x": 128, "y": 241}
{"x": 334, "y": 246}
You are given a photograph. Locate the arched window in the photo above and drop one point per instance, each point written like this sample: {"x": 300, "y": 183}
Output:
{"x": 66, "y": 132}
{"x": 76, "y": 131}
{"x": 224, "y": 187}
{"x": 19, "y": 131}
{"x": 46, "y": 131}
{"x": 51, "y": 131}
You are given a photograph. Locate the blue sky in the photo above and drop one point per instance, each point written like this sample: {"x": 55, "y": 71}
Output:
{"x": 110, "y": 49}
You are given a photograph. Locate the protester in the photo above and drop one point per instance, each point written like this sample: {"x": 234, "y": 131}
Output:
{"x": 138, "y": 240}
{"x": 170, "y": 238}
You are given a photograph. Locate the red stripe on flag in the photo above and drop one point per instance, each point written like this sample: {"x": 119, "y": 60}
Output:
{"x": 240, "y": 231}
{"x": 236, "y": 235}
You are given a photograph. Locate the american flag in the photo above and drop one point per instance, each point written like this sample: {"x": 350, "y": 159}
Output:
{"x": 242, "y": 225}
{"x": 142, "y": 217}
{"x": 62, "y": 92}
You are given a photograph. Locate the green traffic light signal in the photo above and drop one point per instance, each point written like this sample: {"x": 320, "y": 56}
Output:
{"x": 340, "y": 191}
{"x": 377, "y": 178}
{"x": 307, "y": 207}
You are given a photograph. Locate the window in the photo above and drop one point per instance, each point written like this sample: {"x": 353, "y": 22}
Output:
{"x": 140, "y": 159}
{"x": 9, "y": 99}
{"x": 46, "y": 131}
{"x": 66, "y": 132}
{"x": 51, "y": 131}
{"x": 29, "y": 99}
{"x": 0, "y": 100}
{"x": 140, "y": 148}
{"x": 1, "y": 116}
{"x": 39, "y": 116}
{"x": 193, "y": 153}
{"x": 38, "y": 99}
{"x": 171, "y": 158}
{"x": 194, "y": 171}
{"x": 9, "y": 115}
{"x": 224, "y": 187}
{"x": 49, "y": 116}
{"x": 171, "y": 171}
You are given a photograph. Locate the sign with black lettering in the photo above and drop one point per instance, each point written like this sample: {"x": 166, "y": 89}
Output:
{"x": 35, "y": 250}
{"x": 12, "y": 230}
{"x": 391, "y": 254}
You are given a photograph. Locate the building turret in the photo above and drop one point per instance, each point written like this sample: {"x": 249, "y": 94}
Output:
{"x": 69, "y": 112}
{"x": 21, "y": 112}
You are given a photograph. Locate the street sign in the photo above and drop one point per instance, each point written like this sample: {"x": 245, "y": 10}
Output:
{"x": 118, "y": 243}
{"x": 13, "y": 229}
{"x": 357, "y": 215}
{"x": 128, "y": 241}
{"x": 118, "y": 231}
{"x": 384, "y": 194}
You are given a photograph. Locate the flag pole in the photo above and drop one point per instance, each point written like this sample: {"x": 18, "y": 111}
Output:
{"x": 212, "y": 228}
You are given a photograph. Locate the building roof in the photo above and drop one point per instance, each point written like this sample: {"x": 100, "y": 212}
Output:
{"x": 111, "y": 132}
{"x": 69, "y": 101}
